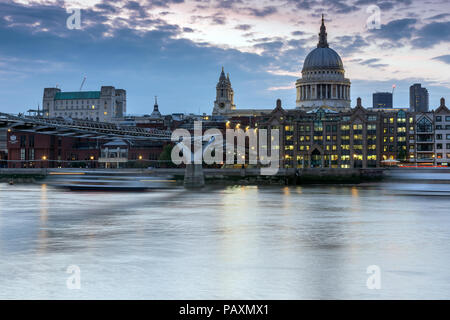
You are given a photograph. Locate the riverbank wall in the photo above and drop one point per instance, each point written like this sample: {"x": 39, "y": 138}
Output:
{"x": 244, "y": 176}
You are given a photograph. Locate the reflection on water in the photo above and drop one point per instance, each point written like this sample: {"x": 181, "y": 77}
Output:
{"x": 223, "y": 243}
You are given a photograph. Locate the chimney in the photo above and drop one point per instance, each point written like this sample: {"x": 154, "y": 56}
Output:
{"x": 442, "y": 102}
{"x": 358, "y": 102}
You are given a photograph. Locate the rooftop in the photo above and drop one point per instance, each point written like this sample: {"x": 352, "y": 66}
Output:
{"x": 77, "y": 95}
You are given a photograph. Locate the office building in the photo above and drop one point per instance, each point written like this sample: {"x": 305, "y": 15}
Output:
{"x": 382, "y": 100}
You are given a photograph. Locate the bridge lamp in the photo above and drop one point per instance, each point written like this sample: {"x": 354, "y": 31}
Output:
{"x": 140, "y": 157}
{"x": 44, "y": 158}
{"x": 92, "y": 158}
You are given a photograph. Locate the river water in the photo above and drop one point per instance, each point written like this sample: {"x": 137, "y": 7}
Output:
{"x": 224, "y": 243}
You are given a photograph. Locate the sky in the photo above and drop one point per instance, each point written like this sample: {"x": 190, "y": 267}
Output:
{"x": 175, "y": 49}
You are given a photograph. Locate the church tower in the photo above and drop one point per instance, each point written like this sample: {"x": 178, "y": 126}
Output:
{"x": 224, "y": 95}
{"x": 156, "y": 113}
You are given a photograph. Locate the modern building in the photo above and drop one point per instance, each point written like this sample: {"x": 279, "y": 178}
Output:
{"x": 418, "y": 98}
{"x": 105, "y": 105}
{"x": 323, "y": 79}
{"x": 382, "y": 100}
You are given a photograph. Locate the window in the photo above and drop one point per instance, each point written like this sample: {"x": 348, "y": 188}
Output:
{"x": 31, "y": 141}
{"x": 424, "y": 125}
{"x": 23, "y": 140}
{"x": 447, "y": 118}
{"x": 439, "y": 137}
{"x": 439, "y": 146}
{"x": 438, "y": 118}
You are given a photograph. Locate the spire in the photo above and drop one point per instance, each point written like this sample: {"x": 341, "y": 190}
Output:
{"x": 442, "y": 102}
{"x": 156, "y": 107}
{"x": 323, "y": 43}
{"x": 156, "y": 114}
{"x": 222, "y": 74}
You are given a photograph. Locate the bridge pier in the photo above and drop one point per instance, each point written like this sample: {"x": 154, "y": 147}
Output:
{"x": 193, "y": 176}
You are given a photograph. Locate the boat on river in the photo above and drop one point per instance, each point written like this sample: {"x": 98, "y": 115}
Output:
{"x": 427, "y": 182}
{"x": 103, "y": 183}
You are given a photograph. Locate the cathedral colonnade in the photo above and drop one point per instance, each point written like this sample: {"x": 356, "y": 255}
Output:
{"x": 323, "y": 91}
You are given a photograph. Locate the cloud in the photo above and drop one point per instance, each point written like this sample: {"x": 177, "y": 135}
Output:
{"x": 297, "y": 33}
{"x": 372, "y": 63}
{"x": 396, "y": 29}
{"x": 439, "y": 16}
{"x": 432, "y": 34}
{"x": 142, "y": 45}
{"x": 243, "y": 27}
{"x": 264, "y": 12}
{"x": 444, "y": 58}
{"x": 385, "y": 5}
{"x": 348, "y": 45}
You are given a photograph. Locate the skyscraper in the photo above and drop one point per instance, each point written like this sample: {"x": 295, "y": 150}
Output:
{"x": 418, "y": 98}
{"x": 382, "y": 100}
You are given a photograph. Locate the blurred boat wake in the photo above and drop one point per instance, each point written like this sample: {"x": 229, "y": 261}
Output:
{"x": 108, "y": 182}
{"x": 418, "y": 182}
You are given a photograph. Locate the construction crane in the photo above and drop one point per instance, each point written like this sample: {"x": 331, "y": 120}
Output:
{"x": 82, "y": 83}
{"x": 394, "y": 86}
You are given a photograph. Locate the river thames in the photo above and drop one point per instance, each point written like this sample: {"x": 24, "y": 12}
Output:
{"x": 312, "y": 242}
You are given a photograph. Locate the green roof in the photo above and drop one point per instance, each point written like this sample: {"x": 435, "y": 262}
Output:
{"x": 77, "y": 95}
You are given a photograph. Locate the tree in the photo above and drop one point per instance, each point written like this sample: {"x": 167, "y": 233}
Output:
{"x": 166, "y": 156}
